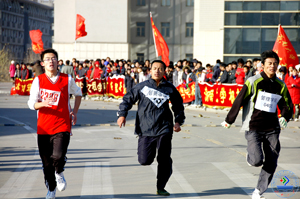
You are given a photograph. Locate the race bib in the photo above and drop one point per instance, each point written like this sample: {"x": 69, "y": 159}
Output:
{"x": 55, "y": 95}
{"x": 267, "y": 101}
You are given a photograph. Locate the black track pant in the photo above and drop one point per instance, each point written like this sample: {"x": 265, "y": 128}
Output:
{"x": 53, "y": 149}
{"x": 146, "y": 153}
{"x": 263, "y": 149}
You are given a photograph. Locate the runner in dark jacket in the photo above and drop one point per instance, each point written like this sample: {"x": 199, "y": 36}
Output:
{"x": 154, "y": 120}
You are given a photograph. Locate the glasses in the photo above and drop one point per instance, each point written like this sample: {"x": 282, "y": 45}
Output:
{"x": 50, "y": 59}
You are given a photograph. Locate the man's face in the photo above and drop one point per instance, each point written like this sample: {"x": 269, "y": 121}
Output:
{"x": 157, "y": 71}
{"x": 120, "y": 63}
{"x": 234, "y": 66}
{"x": 49, "y": 62}
{"x": 270, "y": 66}
{"x": 84, "y": 64}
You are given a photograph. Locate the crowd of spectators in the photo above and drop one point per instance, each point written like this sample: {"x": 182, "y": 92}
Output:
{"x": 180, "y": 72}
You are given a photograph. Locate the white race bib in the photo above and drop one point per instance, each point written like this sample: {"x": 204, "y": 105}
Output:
{"x": 267, "y": 101}
{"x": 55, "y": 95}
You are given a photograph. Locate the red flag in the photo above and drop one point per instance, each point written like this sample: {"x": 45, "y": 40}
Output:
{"x": 80, "y": 27}
{"x": 285, "y": 50}
{"x": 37, "y": 42}
{"x": 160, "y": 44}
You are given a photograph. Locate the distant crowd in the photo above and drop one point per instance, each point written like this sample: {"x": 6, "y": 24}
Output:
{"x": 180, "y": 72}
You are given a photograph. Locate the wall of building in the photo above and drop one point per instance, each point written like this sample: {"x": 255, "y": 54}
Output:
{"x": 208, "y": 30}
{"x": 106, "y": 25}
{"x": 17, "y": 19}
{"x": 177, "y": 14}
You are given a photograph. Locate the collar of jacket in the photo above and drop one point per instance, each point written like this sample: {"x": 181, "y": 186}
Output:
{"x": 263, "y": 74}
{"x": 153, "y": 82}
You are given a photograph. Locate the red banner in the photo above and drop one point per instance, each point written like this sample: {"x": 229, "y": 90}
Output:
{"x": 82, "y": 83}
{"x": 217, "y": 95}
{"x": 22, "y": 87}
{"x": 187, "y": 93}
{"x": 115, "y": 87}
{"x": 96, "y": 87}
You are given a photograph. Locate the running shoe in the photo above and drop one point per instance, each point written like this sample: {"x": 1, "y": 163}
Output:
{"x": 60, "y": 181}
{"x": 256, "y": 194}
{"x": 162, "y": 192}
{"x": 51, "y": 194}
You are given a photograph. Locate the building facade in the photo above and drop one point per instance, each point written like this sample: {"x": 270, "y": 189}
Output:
{"x": 234, "y": 29}
{"x": 18, "y": 17}
{"x": 121, "y": 29}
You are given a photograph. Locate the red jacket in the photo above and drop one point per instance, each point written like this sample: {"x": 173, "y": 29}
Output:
{"x": 294, "y": 91}
{"x": 240, "y": 79}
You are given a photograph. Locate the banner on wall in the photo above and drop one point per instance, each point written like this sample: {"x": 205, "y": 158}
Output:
{"x": 82, "y": 83}
{"x": 22, "y": 87}
{"x": 187, "y": 92}
{"x": 96, "y": 87}
{"x": 115, "y": 86}
{"x": 219, "y": 95}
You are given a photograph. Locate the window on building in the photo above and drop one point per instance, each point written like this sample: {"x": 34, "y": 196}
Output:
{"x": 189, "y": 29}
{"x": 231, "y": 5}
{"x": 140, "y": 29}
{"x": 140, "y": 2}
{"x": 140, "y": 56}
{"x": 269, "y": 19}
{"x": 289, "y": 5}
{"x": 165, "y": 2}
{"x": 270, "y": 5}
{"x": 165, "y": 29}
{"x": 189, "y": 56}
{"x": 189, "y": 2}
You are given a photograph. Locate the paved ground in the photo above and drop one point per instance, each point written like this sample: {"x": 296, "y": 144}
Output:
{"x": 209, "y": 161}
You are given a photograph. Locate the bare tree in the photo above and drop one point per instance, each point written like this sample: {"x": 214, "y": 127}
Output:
{"x": 5, "y": 55}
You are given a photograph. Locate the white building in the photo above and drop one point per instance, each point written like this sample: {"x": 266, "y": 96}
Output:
{"x": 203, "y": 29}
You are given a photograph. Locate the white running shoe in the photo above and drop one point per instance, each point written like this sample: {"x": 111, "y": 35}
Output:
{"x": 256, "y": 195}
{"x": 51, "y": 194}
{"x": 61, "y": 183}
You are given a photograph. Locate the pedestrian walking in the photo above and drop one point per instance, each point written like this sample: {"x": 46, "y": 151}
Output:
{"x": 260, "y": 96}
{"x": 12, "y": 70}
{"x": 154, "y": 121}
{"x": 49, "y": 95}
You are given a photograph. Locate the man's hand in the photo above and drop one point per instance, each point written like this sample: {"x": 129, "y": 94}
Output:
{"x": 74, "y": 117}
{"x": 177, "y": 127}
{"x": 48, "y": 102}
{"x": 282, "y": 122}
{"x": 121, "y": 121}
{"x": 226, "y": 125}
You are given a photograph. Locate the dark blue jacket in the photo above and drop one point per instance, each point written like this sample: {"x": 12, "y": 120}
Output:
{"x": 154, "y": 116}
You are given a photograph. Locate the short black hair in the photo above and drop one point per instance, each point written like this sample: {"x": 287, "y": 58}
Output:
{"x": 240, "y": 60}
{"x": 68, "y": 62}
{"x": 218, "y": 61}
{"x": 269, "y": 54}
{"x": 159, "y": 61}
{"x": 234, "y": 62}
{"x": 223, "y": 64}
{"x": 49, "y": 50}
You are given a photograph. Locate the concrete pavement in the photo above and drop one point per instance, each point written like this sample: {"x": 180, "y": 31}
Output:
{"x": 209, "y": 161}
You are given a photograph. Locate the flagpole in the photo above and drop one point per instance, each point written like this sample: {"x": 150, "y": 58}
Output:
{"x": 151, "y": 19}
{"x": 75, "y": 50}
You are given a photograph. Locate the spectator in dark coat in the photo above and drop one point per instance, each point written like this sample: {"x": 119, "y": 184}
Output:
{"x": 129, "y": 81}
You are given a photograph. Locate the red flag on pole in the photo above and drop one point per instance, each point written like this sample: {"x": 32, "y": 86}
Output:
{"x": 37, "y": 42}
{"x": 285, "y": 50}
{"x": 160, "y": 44}
{"x": 80, "y": 27}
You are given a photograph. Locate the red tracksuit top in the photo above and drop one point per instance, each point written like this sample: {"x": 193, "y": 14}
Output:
{"x": 54, "y": 119}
